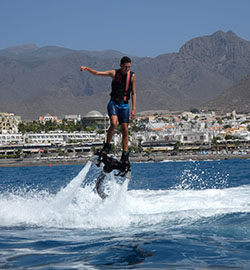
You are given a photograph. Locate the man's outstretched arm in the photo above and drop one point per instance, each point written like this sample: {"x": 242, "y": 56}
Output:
{"x": 108, "y": 73}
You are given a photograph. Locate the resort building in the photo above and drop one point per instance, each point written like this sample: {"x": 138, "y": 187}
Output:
{"x": 95, "y": 118}
{"x": 47, "y": 118}
{"x": 62, "y": 138}
{"x": 73, "y": 118}
{"x": 11, "y": 138}
{"x": 193, "y": 137}
{"x": 9, "y": 123}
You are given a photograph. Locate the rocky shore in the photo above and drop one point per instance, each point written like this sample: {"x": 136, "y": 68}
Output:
{"x": 133, "y": 158}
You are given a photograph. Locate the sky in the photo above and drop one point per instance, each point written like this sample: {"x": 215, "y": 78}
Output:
{"x": 134, "y": 27}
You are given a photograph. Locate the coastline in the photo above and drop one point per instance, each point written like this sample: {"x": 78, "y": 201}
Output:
{"x": 133, "y": 158}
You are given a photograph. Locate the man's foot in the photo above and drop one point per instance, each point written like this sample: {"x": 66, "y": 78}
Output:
{"x": 106, "y": 149}
{"x": 103, "y": 154}
{"x": 125, "y": 160}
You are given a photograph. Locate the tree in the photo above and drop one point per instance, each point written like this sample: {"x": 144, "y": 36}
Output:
{"x": 134, "y": 148}
{"x": 21, "y": 127}
{"x": 215, "y": 140}
{"x": 177, "y": 145}
{"x": 228, "y": 137}
{"x": 194, "y": 110}
{"x": 37, "y": 127}
{"x": 219, "y": 120}
{"x": 50, "y": 126}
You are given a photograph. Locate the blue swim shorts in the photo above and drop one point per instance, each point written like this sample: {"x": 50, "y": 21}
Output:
{"x": 121, "y": 109}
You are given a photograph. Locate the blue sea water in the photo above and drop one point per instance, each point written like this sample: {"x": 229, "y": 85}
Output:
{"x": 171, "y": 215}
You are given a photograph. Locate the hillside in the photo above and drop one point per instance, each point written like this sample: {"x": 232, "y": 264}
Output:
{"x": 235, "y": 98}
{"x": 35, "y": 81}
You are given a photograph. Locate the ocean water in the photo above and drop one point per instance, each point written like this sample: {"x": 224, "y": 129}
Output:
{"x": 171, "y": 215}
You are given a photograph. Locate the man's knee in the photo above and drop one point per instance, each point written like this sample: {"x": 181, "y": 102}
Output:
{"x": 114, "y": 124}
{"x": 125, "y": 129}
{"x": 113, "y": 121}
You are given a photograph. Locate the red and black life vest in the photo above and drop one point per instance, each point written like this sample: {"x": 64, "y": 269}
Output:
{"x": 119, "y": 91}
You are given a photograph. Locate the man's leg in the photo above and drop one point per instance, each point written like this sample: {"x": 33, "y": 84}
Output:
{"x": 111, "y": 130}
{"x": 125, "y": 153}
{"x": 125, "y": 136}
{"x": 112, "y": 111}
{"x": 113, "y": 124}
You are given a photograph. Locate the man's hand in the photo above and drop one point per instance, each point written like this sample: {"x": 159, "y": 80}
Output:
{"x": 83, "y": 68}
{"x": 132, "y": 114}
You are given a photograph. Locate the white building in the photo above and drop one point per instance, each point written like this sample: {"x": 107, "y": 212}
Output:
{"x": 47, "y": 118}
{"x": 9, "y": 123}
{"x": 73, "y": 118}
{"x": 61, "y": 137}
{"x": 7, "y": 138}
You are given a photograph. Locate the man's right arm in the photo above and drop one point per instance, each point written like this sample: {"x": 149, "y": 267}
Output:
{"x": 108, "y": 73}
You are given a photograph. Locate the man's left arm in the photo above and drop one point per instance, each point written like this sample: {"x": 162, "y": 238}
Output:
{"x": 133, "y": 96}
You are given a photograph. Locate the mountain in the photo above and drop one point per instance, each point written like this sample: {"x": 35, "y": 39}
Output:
{"x": 105, "y": 54}
{"x": 235, "y": 98}
{"x": 31, "y": 52}
{"x": 35, "y": 81}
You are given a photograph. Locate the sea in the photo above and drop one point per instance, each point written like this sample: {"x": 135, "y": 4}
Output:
{"x": 184, "y": 215}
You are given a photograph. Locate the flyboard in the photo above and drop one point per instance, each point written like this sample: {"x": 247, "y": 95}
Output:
{"x": 109, "y": 164}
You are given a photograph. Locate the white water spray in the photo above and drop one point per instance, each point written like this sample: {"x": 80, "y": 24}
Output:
{"x": 78, "y": 205}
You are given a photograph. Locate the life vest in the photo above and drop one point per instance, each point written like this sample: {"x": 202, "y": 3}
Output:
{"x": 121, "y": 86}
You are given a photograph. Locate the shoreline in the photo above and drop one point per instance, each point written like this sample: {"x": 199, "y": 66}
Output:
{"x": 27, "y": 162}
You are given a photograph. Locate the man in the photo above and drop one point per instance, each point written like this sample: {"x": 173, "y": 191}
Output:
{"x": 123, "y": 85}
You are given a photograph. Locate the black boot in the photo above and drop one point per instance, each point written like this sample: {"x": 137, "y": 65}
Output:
{"x": 106, "y": 149}
{"x": 125, "y": 160}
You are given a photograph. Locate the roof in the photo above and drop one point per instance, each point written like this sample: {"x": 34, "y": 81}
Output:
{"x": 94, "y": 114}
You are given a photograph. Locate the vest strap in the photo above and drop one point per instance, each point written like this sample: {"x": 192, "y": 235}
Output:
{"x": 127, "y": 86}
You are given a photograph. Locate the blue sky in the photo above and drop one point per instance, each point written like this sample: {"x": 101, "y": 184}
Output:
{"x": 135, "y": 27}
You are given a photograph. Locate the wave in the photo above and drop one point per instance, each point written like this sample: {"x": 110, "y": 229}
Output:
{"x": 78, "y": 206}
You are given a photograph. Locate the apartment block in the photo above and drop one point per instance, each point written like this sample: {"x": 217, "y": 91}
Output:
{"x": 9, "y": 123}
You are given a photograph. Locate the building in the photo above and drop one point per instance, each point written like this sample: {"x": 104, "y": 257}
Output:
{"x": 94, "y": 118}
{"x": 9, "y": 123}
{"x": 11, "y": 138}
{"x": 156, "y": 146}
{"x": 47, "y": 118}
{"x": 193, "y": 137}
{"x": 73, "y": 118}
{"x": 62, "y": 138}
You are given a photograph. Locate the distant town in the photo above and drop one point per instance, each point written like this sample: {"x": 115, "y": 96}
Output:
{"x": 153, "y": 136}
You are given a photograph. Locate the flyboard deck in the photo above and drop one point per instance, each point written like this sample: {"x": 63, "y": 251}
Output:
{"x": 110, "y": 164}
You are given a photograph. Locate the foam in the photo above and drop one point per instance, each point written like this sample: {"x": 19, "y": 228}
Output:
{"x": 78, "y": 205}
